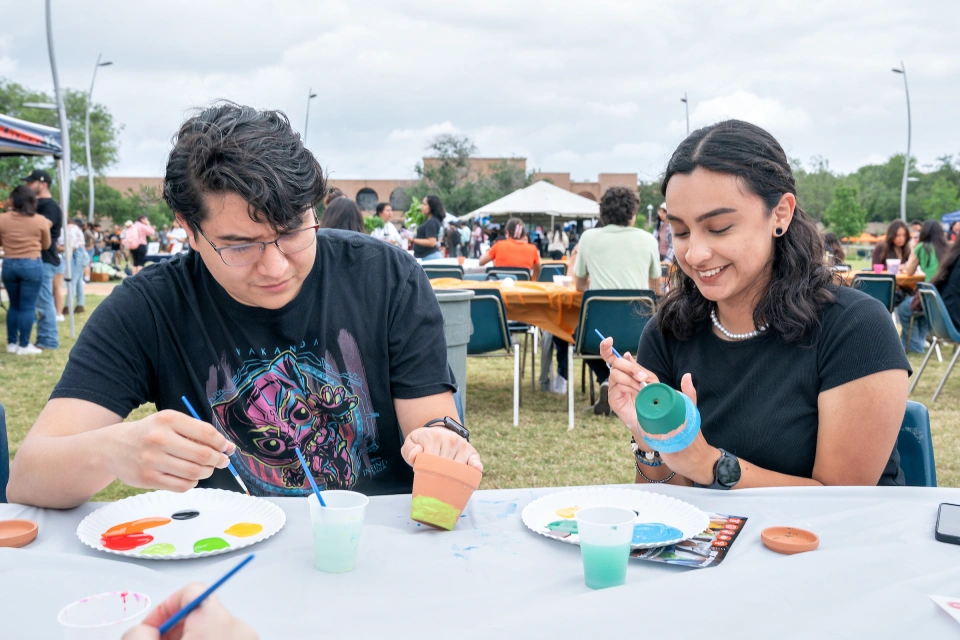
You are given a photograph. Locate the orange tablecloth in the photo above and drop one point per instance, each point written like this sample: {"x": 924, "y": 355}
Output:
{"x": 903, "y": 280}
{"x": 546, "y": 305}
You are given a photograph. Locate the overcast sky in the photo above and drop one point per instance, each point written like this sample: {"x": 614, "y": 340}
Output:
{"x": 584, "y": 87}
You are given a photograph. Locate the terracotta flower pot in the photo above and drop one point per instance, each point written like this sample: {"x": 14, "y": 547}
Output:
{"x": 461, "y": 260}
{"x": 441, "y": 490}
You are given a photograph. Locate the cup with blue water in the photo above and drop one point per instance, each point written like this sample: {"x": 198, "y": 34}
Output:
{"x": 605, "y": 535}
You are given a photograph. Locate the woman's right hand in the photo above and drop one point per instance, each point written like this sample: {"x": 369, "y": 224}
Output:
{"x": 627, "y": 378}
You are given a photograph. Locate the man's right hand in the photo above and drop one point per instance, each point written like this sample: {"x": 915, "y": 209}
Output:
{"x": 167, "y": 450}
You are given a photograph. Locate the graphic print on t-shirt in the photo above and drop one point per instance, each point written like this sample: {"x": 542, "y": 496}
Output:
{"x": 294, "y": 400}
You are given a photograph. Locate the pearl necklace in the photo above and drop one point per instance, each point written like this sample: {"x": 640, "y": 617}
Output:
{"x": 735, "y": 336}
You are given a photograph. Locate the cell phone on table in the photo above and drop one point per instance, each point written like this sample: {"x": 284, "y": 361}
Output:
{"x": 948, "y": 523}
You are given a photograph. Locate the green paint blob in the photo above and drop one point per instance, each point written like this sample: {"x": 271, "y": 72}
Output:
{"x": 564, "y": 526}
{"x": 433, "y": 512}
{"x": 159, "y": 549}
{"x": 210, "y": 544}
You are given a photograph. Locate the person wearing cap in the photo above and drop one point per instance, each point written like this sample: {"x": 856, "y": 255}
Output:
{"x": 135, "y": 241}
{"x": 663, "y": 234}
{"x": 51, "y": 289}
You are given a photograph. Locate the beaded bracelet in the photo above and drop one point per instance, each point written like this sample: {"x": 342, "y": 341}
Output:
{"x": 667, "y": 479}
{"x": 641, "y": 456}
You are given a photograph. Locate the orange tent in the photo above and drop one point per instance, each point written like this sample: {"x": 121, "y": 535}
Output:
{"x": 863, "y": 238}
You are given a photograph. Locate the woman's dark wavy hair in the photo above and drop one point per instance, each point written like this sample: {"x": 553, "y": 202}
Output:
{"x": 343, "y": 213}
{"x": 436, "y": 207}
{"x": 799, "y": 287}
{"x": 947, "y": 265}
{"x": 618, "y": 205}
{"x": 23, "y": 200}
{"x": 933, "y": 240}
{"x": 256, "y": 154}
{"x": 892, "y": 251}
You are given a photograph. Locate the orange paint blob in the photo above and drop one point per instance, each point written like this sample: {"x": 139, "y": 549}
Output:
{"x": 125, "y": 542}
{"x": 244, "y": 529}
{"x": 135, "y": 526}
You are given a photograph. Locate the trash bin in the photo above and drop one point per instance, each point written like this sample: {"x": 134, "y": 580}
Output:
{"x": 457, "y": 329}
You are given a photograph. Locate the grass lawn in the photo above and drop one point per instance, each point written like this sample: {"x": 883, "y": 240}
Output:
{"x": 538, "y": 453}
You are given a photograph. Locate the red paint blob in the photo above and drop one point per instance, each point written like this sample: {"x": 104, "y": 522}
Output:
{"x": 125, "y": 542}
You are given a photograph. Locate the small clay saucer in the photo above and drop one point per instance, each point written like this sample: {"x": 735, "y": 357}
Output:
{"x": 17, "y": 533}
{"x": 789, "y": 540}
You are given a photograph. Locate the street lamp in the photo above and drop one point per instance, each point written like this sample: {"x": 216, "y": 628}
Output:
{"x": 310, "y": 96}
{"x": 87, "y": 133}
{"x": 649, "y": 215}
{"x": 906, "y": 161}
{"x": 686, "y": 107}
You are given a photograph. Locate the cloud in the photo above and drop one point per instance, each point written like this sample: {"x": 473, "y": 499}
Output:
{"x": 768, "y": 113}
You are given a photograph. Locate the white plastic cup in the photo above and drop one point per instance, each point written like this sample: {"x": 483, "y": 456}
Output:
{"x": 605, "y": 535}
{"x": 105, "y": 616}
{"x": 336, "y": 529}
{"x": 893, "y": 266}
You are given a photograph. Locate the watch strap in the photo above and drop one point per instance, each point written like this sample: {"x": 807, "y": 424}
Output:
{"x": 449, "y": 423}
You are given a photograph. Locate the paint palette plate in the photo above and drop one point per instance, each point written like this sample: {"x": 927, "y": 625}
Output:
{"x": 164, "y": 525}
{"x": 661, "y": 520}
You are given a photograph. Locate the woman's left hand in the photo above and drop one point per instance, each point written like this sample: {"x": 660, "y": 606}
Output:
{"x": 697, "y": 460}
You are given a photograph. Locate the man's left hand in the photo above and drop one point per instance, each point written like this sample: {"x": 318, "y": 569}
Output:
{"x": 440, "y": 442}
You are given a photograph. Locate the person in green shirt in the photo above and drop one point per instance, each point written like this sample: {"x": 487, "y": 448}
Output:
{"x": 930, "y": 250}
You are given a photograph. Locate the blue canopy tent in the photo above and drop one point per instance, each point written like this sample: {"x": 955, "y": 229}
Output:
{"x": 22, "y": 138}
{"x": 950, "y": 218}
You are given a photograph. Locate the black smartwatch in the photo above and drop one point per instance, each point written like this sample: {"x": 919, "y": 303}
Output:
{"x": 449, "y": 423}
{"x": 726, "y": 472}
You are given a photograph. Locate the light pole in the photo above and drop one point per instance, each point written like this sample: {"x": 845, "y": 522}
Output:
{"x": 649, "y": 215}
{"x": 310, "y": 96}
{"x": 686, "y": 107}
{"x": 906, "y": 160}
{"x": 64, "y": 164}
{"x": 87, "y": 132}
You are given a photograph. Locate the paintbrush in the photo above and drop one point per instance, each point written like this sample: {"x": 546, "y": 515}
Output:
{"x": 196, "y": 602}
{"x": 230, "y": 466}
{"x": 615, "y": 352}
{"x": 306, "y": 470}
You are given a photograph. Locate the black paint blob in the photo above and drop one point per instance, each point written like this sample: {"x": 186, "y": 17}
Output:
{"x": 185, "y": 515}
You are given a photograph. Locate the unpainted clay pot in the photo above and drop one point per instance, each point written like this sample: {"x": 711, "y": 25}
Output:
{"x": 441, "y": 490}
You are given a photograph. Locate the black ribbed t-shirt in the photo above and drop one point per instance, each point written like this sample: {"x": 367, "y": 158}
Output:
{"x": 758, "y": 398}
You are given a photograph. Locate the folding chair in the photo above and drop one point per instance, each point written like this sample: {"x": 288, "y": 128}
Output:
{"x": 620, "y": 314}
{"x": 517, "y": 273}
{"x": 915, "y": 445}
{"x": 548, "y": 271}
{"x": 881, "y": 286}
{"x": 491, "y": 337}
{"x": 444, "y": 271}
{"x": 942, "y": 330}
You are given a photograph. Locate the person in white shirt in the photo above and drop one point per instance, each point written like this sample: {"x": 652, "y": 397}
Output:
{"x": 78, "y": 262}
{"x": 177, "y": 238}
{"x": 388, "y": 232}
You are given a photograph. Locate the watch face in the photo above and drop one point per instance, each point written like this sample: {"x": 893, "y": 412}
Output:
{"x": 728, "y": 471}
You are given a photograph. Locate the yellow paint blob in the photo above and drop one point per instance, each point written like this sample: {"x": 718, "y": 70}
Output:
{"x": 567, "y": 512}
{"x": 244, "y": 530}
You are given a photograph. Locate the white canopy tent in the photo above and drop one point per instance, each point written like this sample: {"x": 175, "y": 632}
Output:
{"x": 537, "y": 202}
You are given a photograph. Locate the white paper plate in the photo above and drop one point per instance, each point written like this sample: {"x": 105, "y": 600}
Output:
{"x": 219, "y": 510}
{"x": 543, "y": 514}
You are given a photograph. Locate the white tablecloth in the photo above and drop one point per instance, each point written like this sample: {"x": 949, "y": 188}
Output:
{"x": 491, "y": 577}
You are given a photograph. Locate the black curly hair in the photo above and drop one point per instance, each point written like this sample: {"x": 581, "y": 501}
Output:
{"x": 256, "y": 154}
{"x": 618, "y": 206}
{"x": 800, "y": 285}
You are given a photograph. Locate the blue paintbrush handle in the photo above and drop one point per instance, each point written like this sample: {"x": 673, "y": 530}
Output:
{"x": 306, "y": 470}
{"x": 183, "y": 613}
{"x": 230, "y": 466}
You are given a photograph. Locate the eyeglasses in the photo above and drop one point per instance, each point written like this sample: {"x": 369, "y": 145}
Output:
{"x": 243, "y": 254}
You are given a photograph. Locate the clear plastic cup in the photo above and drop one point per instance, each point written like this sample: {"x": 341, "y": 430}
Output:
{"x": 605, "y": 535}
{"x": 105, "y": 616}
{"x": 893, "y": 266}
{"x": 336, "y": 529}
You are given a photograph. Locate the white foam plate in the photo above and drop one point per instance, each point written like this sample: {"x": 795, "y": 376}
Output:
{"x": 650, "y": 508}
{"x": 218, "y": 509}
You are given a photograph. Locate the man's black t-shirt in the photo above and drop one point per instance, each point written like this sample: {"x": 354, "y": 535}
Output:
{"x": 320, "y": 373}
{"x": 758, "y": 398}
{"x": 429, "y": 229}
{"x": 49, "y": 209}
